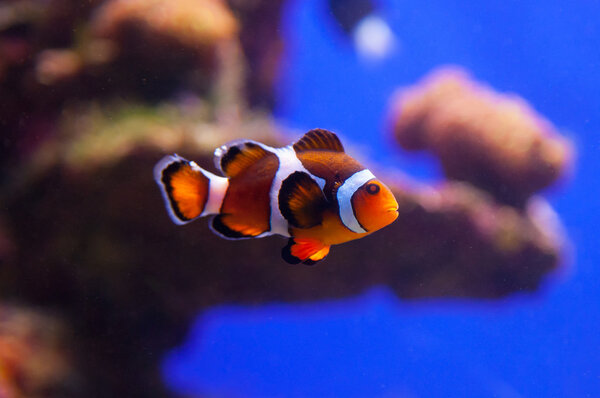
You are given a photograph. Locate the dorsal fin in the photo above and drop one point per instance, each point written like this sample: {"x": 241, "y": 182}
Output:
{"x": 301, "y": 200}
{"x": 319, "y": 139}
{"x": 235, "y": 157}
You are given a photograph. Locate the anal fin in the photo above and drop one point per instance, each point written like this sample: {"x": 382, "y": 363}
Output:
{"x": 307, "y": 251}
{"x": 230, "y": 227}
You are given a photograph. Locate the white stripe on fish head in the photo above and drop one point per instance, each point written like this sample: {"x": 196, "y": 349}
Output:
{"x": 344, "y": 198}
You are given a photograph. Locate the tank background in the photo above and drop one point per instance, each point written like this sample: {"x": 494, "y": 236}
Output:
{"x": 377, "y": 345}
{"x": 112, "y": 280}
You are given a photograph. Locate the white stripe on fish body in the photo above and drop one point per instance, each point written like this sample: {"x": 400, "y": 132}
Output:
{"x": 344, "y": 197}
{"x": 288, "y": 164}
{"x": 217, "y": 188}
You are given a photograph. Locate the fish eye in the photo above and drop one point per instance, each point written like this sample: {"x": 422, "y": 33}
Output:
{"x": 372, "y": 188}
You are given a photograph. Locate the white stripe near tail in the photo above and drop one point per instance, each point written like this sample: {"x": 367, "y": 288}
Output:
{"x": 216, "y": 193}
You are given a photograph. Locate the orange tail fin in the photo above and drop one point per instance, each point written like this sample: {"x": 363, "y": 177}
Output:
{"x": 188, "y": 190}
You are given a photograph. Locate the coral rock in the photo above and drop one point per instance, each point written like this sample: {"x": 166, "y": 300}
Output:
{"x": 495, "y": 141}
{"x": 192, "y": 23}
{"x": 260, "y": 36}
{"x": 33, "y": 359}
{"x": 57, "y": 65}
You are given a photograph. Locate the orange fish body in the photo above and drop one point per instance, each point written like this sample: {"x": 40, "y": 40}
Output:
{"x": 311, "y": 191}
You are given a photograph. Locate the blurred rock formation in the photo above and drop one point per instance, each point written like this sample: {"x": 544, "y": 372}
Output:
{"x": 34, "y": 359}
{"x": 58, "y": 51}
{"x": 85, "y": 240}
{"x": 262, "y": 44}
{"x": 494, "y": 141}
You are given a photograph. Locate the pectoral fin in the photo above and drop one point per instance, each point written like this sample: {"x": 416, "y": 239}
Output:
{"x": 301, "y": 200}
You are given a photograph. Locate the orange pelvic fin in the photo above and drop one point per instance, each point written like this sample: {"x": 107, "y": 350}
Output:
{"x": 307, "y": 251}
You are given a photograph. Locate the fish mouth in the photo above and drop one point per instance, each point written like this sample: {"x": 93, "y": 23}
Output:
{"x": 393, "y": 210}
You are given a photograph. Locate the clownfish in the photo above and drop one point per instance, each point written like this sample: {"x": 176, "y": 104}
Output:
{"x": 311, "y": 192}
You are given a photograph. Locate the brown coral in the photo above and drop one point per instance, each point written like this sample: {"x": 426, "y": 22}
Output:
{"x": 261, "y": 40}
{"x": 495, "y": 141}
{"x": 58, "y": 51}
{"x": 189, "y": 24}
{"x": 192, "y": 22}
{"x": 33, "y": 360}
{"x": 54, "y": 66}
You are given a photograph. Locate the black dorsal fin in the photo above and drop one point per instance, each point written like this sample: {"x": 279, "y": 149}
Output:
{"x": 319, "y": 139}
{"x": 301, "y": 200}
{"x": 235, "y": 157}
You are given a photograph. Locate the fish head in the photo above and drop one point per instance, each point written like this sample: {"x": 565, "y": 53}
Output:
{"x": 374, "y": 205}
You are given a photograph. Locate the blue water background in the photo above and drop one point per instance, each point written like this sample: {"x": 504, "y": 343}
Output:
{"x": 545, "y": 344}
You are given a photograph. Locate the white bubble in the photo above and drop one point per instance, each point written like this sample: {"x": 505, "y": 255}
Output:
{"x": 373, "y": 38}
